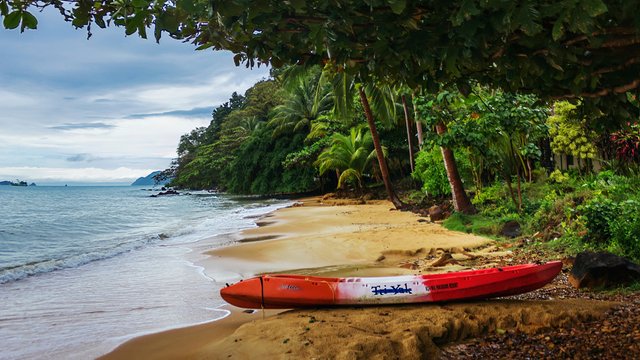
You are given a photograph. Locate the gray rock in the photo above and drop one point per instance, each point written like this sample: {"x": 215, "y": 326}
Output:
{"x": 602, "y": 270}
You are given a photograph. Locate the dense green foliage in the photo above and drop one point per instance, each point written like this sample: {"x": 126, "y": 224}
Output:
{"x": 598, "y": 212}
{"x": 268, "y": 140}
{"x": 349, "y": 155}
{"x": 431, "y": 173}
{"x": 569, "y": 132}
{"x": 283, "y": 136}
{"x": 560, "y": 48}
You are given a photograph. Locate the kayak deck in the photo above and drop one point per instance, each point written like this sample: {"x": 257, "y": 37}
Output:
{"x": 294, "y": 291}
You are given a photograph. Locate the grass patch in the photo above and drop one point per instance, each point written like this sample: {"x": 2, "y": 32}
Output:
{"x": 565, "y": 245}
{"x": 474, "y": 224}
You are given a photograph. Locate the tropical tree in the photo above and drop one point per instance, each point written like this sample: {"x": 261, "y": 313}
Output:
{"x": 307, "y": 102}
{"x": 437, "y": 111}
{"x": 585, "y": 49}
{"x": 349, "y": 155}
{"x": 570, "y": 133}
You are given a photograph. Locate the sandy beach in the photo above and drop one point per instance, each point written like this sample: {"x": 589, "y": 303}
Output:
{"x": 337, "y": 238}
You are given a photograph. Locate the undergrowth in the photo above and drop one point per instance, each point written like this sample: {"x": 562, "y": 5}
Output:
{"x": 565, "y": 213}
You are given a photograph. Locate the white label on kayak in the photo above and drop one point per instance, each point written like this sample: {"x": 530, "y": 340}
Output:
{"x": 381, "y": 289}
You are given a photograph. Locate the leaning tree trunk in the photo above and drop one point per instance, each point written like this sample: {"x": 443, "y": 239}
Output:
{"x": 407, "y": 121}
{"x": 418, "y": 123}
{"x": 384, "y": 171}
{"x": 461, "y": 201}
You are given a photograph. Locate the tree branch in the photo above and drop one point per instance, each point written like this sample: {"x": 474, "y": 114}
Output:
{"x": 603, "y": 92}
{"x": 611, "y": 69}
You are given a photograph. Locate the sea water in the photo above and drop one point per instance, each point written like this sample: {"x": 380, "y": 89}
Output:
{"x": 83, "y": 269}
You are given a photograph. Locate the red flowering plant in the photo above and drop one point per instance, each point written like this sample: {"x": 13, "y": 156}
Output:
{"x": 627, "y": 143}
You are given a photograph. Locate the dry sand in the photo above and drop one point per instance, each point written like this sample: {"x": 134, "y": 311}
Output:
{"x": 348, "y": 240}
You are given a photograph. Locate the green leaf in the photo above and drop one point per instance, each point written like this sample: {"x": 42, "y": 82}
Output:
{"x": 4, "y": 8}
{"x": 594, "y": 7}
{"x": 130, "y": 28}
{"x": 99, "y": 21}
{"x": 188, "y": 5}
{"x": 140, "y": 3}
{"x": 12, "y": 20}
{"x": 298, "y": 5}
{"x": 397, "y": 6}
{"x": 553, "y": 64}
{"x": 157, "y": 32}
{"x": 29, "y": 21}
{"x": 558, "y": 30}
{"x": 237, "y": 59}
{"x": 142, "y": 31}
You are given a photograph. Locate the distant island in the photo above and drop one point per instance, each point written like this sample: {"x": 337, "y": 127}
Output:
{"x": 16, "y": 183}
{"x": 149, "y": 180}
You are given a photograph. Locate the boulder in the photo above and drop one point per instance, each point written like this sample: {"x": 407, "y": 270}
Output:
{"x": 511, "y": 229}
{"x": 602, "y": 270}
{"x": 168, "y": 192}
{"x": 436, "y": 213}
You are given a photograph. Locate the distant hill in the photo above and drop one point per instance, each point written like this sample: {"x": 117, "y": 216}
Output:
{"x": 148, "y": 180}
{"x": 16, "y": 183}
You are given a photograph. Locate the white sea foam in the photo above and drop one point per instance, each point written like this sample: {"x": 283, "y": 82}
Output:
{"x": 82, "y": 269}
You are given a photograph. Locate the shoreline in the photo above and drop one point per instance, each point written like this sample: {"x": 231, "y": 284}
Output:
{"x": 329, "y": 240}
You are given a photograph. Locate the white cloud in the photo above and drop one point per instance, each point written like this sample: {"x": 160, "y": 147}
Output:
{"x": 65, "y": 97}
{"x": 88, "y": 174}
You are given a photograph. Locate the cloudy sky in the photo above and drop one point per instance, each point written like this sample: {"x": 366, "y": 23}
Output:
{"x": 105, "y": 110}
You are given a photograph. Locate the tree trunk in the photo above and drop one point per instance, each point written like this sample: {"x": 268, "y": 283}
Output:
{"x": 460, "y": 199}
{"x": 384, "y": 171}
{"x": 418, "y": 123}
{"x": 408, "y": 124}
{"x": 507, "y": 179}
{"x": 517, "y": 166}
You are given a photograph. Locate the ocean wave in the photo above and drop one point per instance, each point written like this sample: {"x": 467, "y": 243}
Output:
{"x": 19, "y": 272}
{"x": 172, "y": 232}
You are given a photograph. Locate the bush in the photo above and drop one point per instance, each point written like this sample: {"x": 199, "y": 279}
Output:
{"x": 558, "y": 177}
{"x": 494, "y": 201}
{"x": 625, "y": 228}
{"x": 431, "y": 172}
{"x": 599, "y": 213}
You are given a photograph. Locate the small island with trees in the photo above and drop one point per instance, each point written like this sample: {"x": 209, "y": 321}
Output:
{"x": 16, "y": 183}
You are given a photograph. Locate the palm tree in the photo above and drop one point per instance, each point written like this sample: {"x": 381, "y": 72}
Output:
{"x": 308, "y": 101}
{"x": 438, "y": 110}
{"x": 344, "y": 88}
{"x": 384, "y": 171}
{"x": 350, "y": 155}
{"x": 380, "y": 97}
{"x": 460, "y": 199}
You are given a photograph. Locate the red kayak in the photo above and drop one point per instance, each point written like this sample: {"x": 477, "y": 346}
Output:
{"x": 295, "y": 291}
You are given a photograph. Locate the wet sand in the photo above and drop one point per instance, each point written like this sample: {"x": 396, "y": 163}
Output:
{"x": 339, "y": 239}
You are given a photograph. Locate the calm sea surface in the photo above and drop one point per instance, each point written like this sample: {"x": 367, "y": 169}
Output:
{"x": 84, "y": 268}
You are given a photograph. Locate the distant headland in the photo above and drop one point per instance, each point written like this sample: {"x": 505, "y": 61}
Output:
{"x": 150, "y": 180}
{"x": 17, "y": 183}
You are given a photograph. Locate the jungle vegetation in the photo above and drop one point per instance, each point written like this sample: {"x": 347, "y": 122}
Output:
{"x": 489, "y": 90}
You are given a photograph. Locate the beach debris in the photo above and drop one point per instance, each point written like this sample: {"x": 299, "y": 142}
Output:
{"x": 445, "y": 259}
{"x": 602, "y": 270}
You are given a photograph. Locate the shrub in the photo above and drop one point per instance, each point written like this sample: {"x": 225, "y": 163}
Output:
{"x": 598, "y": 214}
{"x": 558, "y": 177}
{"x": 494, "y": 201}
{"x": 625, "y": 228}
{"x": 627, "y": 143}
{"x": 431, "y": 172}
